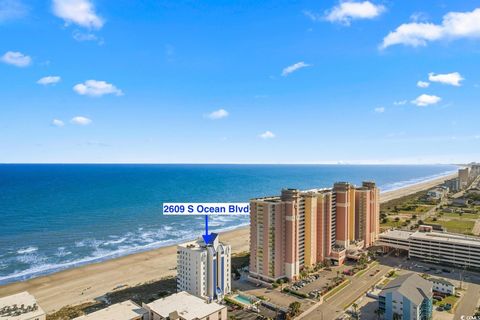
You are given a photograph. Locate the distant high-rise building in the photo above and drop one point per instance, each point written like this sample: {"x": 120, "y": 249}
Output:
{"x": 475, "y": 169}
{"x": 299, "y": 229}
{"x": 464, "y": 176}
{"x": 453, "y": 185}
{"x": 204, "y": 270}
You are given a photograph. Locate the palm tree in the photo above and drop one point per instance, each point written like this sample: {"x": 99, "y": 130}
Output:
{"x": 355, "y": 311}
{"x": 294, "y": 308}
{"x": 379, "y": 313}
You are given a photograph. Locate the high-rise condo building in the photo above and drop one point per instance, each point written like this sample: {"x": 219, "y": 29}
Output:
{"x": 299, "y": 229}
{"x": 204, "y": 269}
{"x": 464, "y": 176}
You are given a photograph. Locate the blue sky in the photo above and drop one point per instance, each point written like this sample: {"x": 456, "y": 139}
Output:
{"x": 239, "y": 82}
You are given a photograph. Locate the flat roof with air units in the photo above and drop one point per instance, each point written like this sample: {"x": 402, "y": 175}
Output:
{"x": 435, "y": 247}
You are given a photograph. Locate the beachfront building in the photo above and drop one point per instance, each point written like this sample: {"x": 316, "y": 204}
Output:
{"x": 436, "y": 194}
{"x": 408, "y": 297}
{"x": 453, "y": 185}
{"x": 435, "y": 247}
{"x": 20, "y": 306}
{"x": 127, "y": 310}
{"x": 464, "y": 177}
{"x": 184, "y": 306}
{"x": 204, "y": 270}
{"x": 300, "y": 229}
{"x": 475, "y": 169}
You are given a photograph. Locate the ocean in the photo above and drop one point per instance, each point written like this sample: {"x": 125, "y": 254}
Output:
{"x": 54, "y": 217}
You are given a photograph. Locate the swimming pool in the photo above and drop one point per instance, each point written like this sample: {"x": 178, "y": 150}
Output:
{"x": 242, "y": 299}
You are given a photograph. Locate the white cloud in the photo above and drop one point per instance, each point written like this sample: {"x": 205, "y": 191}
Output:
{"x": 312, "y": 15}
{"x": 11, "y": 10}
{"x": 81, "y": 37}
{"x": 346, "y": 11}
{"x": 419, "y": 16}
{"x": 57, "y": 123}
{"x": 49, "y": 80}
{"x": 454, "y": 25}
{"x": 379, "y": 110}
{"x": 80, "y": 12}
{"x": 218, "y": 114}
{"x": 17, "y": 59}
{"x": 81, "y": 121}
{"x": 423, "y": 84}
{"x": 96, "y": 88}
{"x": 425, "y": 100}
{"x": 413, "y": 34}
{"x": 400, "y": 103}
{"x": 294, "y": 67}
{"x": 267, "y": 135}
{"x": 453, "y": 78}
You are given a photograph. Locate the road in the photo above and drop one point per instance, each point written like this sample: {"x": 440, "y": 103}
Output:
{"x": 335, "y": 305}
{"x": 469, "y": 302}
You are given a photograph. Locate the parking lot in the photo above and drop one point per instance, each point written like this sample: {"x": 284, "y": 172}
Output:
{"x": 320, "y": 280}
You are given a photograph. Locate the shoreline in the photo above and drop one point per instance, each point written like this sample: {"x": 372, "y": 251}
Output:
{"x": 85, "y": 283}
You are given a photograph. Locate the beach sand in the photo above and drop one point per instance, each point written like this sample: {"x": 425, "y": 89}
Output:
{"x": 83, "y": 284}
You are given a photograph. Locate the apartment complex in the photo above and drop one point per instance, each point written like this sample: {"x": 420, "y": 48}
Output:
{"x": 443, "y": 286}
{"x": 464, "y": 177}
{"x": 20, "y": 306}
{"x": 299, "y": 229}
{"x": 204, "y": 269}
{"x": 435, "y": 247}
{"x": 184, "y": 306}
{"x": 453, "y": 185}
{"x": 408, "y": 297}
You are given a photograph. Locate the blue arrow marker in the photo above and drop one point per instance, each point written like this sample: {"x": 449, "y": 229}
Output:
{"x": 208, "y": 238}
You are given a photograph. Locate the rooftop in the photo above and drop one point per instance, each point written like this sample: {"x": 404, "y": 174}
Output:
{"x": 411, "y": 286}
{"x": 433, "y": 235}
{"x": 441, "y": 280}
{"x": 126, "y": 310}
{"x": 187, "y": 306}
{"x": 447, "y": 237}
{"x": 398, "y": 234}
{"x": 19, "y": 306}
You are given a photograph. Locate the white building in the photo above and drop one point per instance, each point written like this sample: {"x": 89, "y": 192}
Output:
{"x": 127, "y": 310}
{"x": 204, "y": 270}
{"x": 435, "y": 247}
{"x": 20, "y": 306}
{"x": 443, "y": 286}
{"x": 436, "y": 193}
{"x": 184, "y": 306}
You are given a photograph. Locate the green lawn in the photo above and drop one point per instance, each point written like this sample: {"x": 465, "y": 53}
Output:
{"x": 454, "y": 225}
{"x": 449, "y": 299}
{"x": 463, "y": 216}
{"x": 392, "y": 223}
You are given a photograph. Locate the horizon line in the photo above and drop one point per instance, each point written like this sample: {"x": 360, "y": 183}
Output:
{"x": 241, "y": 163}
